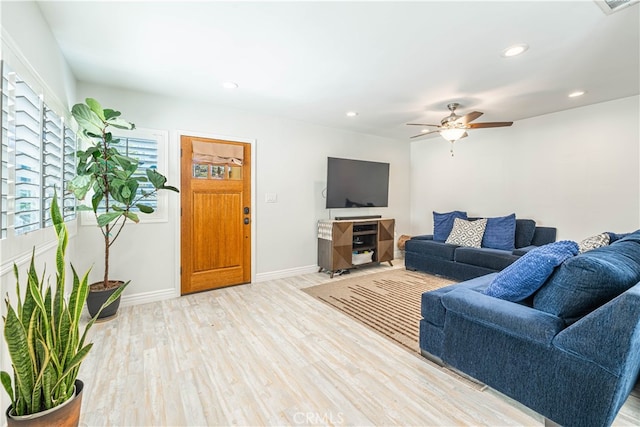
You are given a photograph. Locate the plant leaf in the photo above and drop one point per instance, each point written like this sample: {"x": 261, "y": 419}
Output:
{"x": 145, "y": 208}
{"x": 95, "y": 107}
{"x": 107, "y": 218}
{"x": 87, "y": 119}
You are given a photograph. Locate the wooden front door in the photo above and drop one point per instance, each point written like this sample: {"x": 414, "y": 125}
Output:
{"x": 215, "y": 213}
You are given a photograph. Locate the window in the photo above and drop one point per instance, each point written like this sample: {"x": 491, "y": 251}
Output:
{"x": 37, "y": 156}
{"x": 28, "y": 156}
{"x": 146, "y": 151}
{"x": 52, "y": 162}
{"x": 4, "y": 156}
{"x": 69, "y": 171}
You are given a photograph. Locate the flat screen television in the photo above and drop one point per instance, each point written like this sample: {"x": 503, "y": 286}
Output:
{"x": 357, "y": 183}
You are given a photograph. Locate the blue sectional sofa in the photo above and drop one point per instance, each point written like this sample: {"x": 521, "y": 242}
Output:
{"x": 430, "y": 253}
{"x": 570, "y": 351}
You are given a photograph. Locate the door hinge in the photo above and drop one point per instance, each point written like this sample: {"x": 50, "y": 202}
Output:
{"x": 181, "y": 152}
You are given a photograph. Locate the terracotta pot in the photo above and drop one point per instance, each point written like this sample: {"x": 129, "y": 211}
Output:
{"x": 65, "y": 415}
{"x": 96, "y": 298}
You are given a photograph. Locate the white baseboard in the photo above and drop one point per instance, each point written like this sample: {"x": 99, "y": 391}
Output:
{"x": 146, "y": 297}
{"x": 272, "y": 275}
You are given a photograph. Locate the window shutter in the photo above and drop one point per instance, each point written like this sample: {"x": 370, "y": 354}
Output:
{"x": 52, "y": 162}
{"x": 4, "y": 153}
{"x": 27, "y": 119}
{"x": 70, "y": 147}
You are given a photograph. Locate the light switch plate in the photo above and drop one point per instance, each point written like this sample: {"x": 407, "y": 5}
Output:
{"x": 271, "y": 197}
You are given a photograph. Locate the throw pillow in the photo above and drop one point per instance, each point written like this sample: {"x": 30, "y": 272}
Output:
{"x": 500, "y": 233}
{"x": 525, "y": 229}
{"x": 593, "y": 242}
{"x": 529, "y": 272}
{"x": 443, "y": 223}
{"x": 467, "y": 233}
{"x": 591, "y": 279}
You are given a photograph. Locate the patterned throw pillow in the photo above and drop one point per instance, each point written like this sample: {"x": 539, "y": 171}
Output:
{"x": 597, "y": 241}
{"x": 467, "y": 233}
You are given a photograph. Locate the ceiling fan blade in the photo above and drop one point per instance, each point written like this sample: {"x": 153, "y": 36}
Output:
{"x": 467, "y": 118}
{"x": 425, "y": 133}
{"x": 488, "y": 125}
{"x": 421, "y": 124}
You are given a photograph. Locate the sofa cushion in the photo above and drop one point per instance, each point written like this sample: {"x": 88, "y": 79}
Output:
{"x": 525, "y": 276}
{"x": 594, "y": 242}
{"x": 591, "y": 279}
{"x": 467, "y": 233}
{"x": 431, "y": 248}
{"x": 500, "y": 233}
{"x": 443, "y": 223}
{"x": 525, "y": 229}
{"x": 495, "y": 259}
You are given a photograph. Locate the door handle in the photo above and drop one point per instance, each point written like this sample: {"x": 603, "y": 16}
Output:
{"x": 246, "y": 210}
{"x": 246, "y": 220}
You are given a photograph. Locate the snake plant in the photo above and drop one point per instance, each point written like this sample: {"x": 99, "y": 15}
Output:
{"x": 43, "y": 333}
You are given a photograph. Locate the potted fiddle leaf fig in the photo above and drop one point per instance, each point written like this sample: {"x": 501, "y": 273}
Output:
{"x": 46, "y": 344}
{"x": 112, "y": 179}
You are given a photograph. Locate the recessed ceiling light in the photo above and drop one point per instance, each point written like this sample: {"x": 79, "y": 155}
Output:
{"x": 351, "y": 113}
{"x": 230, "y": 85}
{"x": 424, "y": 130}
{"x": 514, "y": 50}
{"x": 576, "y": 93}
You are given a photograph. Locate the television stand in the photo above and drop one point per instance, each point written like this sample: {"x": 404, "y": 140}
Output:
{"x": 346, "y": 244}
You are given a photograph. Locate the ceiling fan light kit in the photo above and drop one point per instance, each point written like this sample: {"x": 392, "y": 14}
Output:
{"x": 454, "y": 127}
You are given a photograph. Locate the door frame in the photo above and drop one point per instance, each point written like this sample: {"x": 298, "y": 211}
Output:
{"x": 176, "y": 162}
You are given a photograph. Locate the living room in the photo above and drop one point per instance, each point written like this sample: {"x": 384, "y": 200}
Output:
{"x": 577, "y": 169}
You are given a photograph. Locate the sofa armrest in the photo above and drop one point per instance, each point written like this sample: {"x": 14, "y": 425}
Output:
{"x": 509, "y": 317}
{"x": 423, "y": 237}
{"x": 609, "y": 336}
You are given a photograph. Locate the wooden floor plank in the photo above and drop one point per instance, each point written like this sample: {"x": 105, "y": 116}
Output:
{"x": 269, "y": 354}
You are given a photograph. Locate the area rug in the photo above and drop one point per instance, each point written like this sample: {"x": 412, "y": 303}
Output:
{"x": 387, "y": 302}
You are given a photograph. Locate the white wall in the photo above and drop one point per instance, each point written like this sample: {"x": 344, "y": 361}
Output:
{"x": 577, "y": 170}
{"x": 291, "y": 161}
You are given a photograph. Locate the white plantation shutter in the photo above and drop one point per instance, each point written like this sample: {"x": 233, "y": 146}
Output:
{"x": 28, "y": 157}
{"x": 4, "y": 155}
{"x": 52, "y": 162}
{"x": 69, "y": 171}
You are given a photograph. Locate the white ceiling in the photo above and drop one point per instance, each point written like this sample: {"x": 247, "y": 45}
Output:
{"x": 392, "y": 62}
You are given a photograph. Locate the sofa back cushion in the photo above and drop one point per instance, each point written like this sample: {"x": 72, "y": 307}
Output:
{"x": 443, "y": 223}
{"x": 500, "y": 233}
{"x": 525, "y": 228}
{"x": 585, "y": 282}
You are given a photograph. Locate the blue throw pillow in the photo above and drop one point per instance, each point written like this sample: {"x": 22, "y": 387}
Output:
{"x": 443, "y": 223}
{"x": 529, "y": 272}
{"x": 500, "y": 233}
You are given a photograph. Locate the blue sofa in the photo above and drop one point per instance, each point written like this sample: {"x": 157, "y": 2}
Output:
{"x": 570, "y": 352}
{"x": 424, "y": 253}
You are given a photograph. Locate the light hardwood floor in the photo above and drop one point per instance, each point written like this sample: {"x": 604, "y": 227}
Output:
{"x": 269, "y": 354}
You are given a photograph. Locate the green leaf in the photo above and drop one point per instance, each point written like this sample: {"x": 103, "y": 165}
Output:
{"x": 95, "y": 107}
{"x": 80, "y": 185}
{"x": 133, "y": 217}
{"x": 145, "y": 208}
{"x": 109, "y": 113}
{"x": 87, "y": 119}
{"x": 6, "y": 383}
{"x": 156, "y": 178}
{"x": 119, "y": 123}
{"x": 107, "y": 218}
{"x": 169, "y": 187}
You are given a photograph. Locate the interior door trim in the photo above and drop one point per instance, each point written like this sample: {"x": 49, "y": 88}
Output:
{"x": 176, "y": 138}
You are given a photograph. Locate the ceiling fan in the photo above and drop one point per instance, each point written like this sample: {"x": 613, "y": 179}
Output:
{"x": 454, "y": 127}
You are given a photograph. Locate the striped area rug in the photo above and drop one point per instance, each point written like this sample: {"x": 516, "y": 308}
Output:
{"x": 387, "y": 302}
